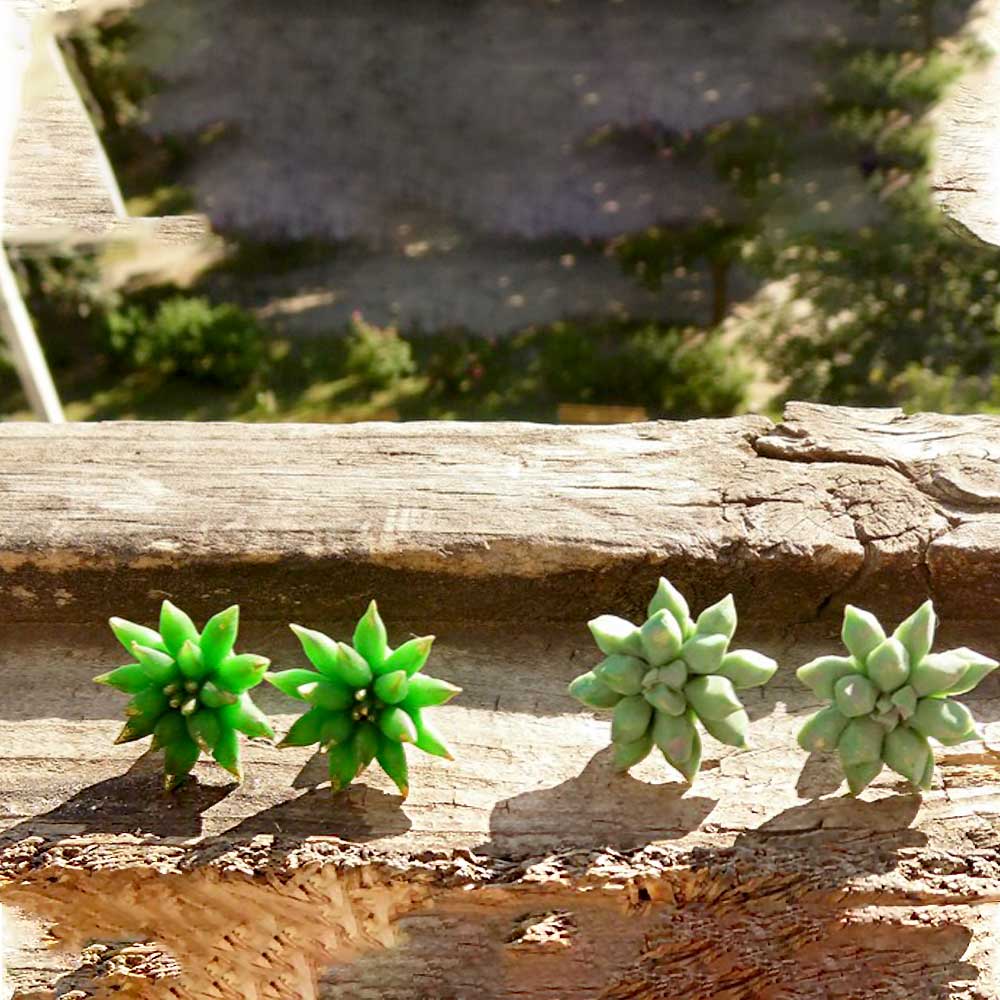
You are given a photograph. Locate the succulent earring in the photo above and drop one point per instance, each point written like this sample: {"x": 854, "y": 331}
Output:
{"x": 189, "y": 690}
{"x": 663, "y": 677}
{"x": 889, "y": 696}
{"x": 367, "y": 700}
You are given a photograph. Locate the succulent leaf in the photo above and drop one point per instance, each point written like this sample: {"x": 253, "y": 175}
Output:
{"x": 370, "y": 639}
{"x": 627, "y": 755}
{"x": 822, "y": 731}
{"x": 129, "y": 679}
{"x": 674, "y": 675}
{"x": 247, "y": 718}
{"x": 352, "y": 668}
{"x": 392, "y": 688}
{"x": 392, "y": 759}
{"x": 703, "y": 654}
{"x": 212, "y": 696}
{"x": 747, "y": 668}
{"x": 860, "y": 776}
{"x": 289, "y": 681}
{"x": 366, "y": 738}
{"x": 397, "y": 725}
{"x": 179, "y": 758}
{"x": 861, "y": 742}
{"x": 855, "y": 695}
{"x": 227, "y": 752}
{"x": 669, "y": 598}
{"x": 428, "y": 738}
{"x": 907, "y": 753}
{"x": 615, "y": 635}
{"x": 690, "y": 767}
{"x": 205, "y": 729}
{"x": 822, "y": 674}
{"x": 321, "y": 651}
{"x": 720, "y": 618}
{"x": 410, "y": 657}
{"x": 219, "y": 635}
{"x": 661, "y": 638}
{"x": 979, "y": 667}
{"x": 916, "y": 633}
{"x": 947, "y": 721}
{"x": 888, "y": 665}
{"x": 176, "y": 628}
{"x": 425, "y": 692}
{"x": 666, "y": 699}
{"x": 307, "y": 729}
{"x": 675, "y": 736}
{"x": 621, "y": 673}
{"x": 712, "y": 697}
{"x": 631, "y": 719}
{"x": 344, "y": 763}
{"x": 938, "y": 672}
{"x": 326, "y": 695}
{"x": 589, "y": 689}
{"x": 191, "y": 661}
{"x": 861, "y": 632}
{"x": 128, "y": 633}
{"x": 239, "y": 673}
{"x": 732, "y": 730}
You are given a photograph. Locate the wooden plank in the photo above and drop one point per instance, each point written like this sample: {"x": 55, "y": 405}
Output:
{"x": 524, "y": 867}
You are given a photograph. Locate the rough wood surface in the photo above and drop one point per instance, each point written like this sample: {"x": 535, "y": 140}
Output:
{"x": 524, "y": 868}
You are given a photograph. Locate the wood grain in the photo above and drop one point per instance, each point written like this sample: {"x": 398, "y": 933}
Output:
{"x": 525, "y": 867}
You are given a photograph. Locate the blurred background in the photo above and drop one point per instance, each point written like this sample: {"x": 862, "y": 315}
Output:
{"x": 555, "y": 210}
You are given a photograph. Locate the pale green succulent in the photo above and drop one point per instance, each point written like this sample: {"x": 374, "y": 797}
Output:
{"x": 889, "y": 696}
{"x": 663, "y": 677}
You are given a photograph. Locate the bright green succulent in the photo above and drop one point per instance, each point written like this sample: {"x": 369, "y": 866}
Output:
{"x": 368, "y": 701}
{"x": 664, "y": 676}
{"x": 189, "y": 690}
{"x": 889, "y": 696}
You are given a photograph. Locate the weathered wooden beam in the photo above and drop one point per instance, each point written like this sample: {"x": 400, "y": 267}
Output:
{"x": 525, "y": 867}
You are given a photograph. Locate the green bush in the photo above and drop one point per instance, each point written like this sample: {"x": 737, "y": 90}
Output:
{"x": 189, "y": 337}
{"x": 378, "y": 356}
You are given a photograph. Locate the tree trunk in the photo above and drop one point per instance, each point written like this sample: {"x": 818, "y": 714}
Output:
{"x": 525, "y": 867}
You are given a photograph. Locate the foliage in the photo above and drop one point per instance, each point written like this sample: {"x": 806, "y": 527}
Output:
{"x": 187, "y": 336}
{"x": 377, "y": 356}
{"x": 888, "y": 696}
{"x": 668, "y": 676}
{"x": 189, "y": 690}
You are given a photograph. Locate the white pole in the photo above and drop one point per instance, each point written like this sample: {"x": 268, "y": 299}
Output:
{"x": 16, "y": 327}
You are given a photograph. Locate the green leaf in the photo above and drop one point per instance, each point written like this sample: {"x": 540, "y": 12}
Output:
{"x": 861, "y": 632}
{"x": 289, "y": 681}
{"x": 148, "y": 702}
{"x": 938, "y": 672}
{"x": 344, "y": 762}
{"x": 712, "y": 697}
{"x": 160, "y": 667}
{"x": 675, "y": 736}
{"x": 589, "y": 689}
{"x": 127, "y": 633}
{"x": 860, "y": 776}
{"x": 179, "y": 758}
{"x": 631, "y": 719}
{"x": 306, "y": 730}
{"x": 192, "y": 662}
{"x": 392, "y": 688}
{"x": 905, "y": 699}
{"x": 661, "y": 638}
{"x": 392, "y": 759}
{"x": 979, "y": 667}
{"x": 170, "y": 727}
{"x": 822, "y": 674}
{"x": 176, "y": 628}
{"x": 205, "y": 729}
{"x": 397, "y": 725}
{"x": 888, "y": 665}
{"x": 247, "y": 718}
{"x": 337, "y": 728}
{"x": 410, "y": 657}
{"x": 227, "y": 752}
{"x": 916, "y": 633}
{"x": 130, "y": 679}
{"x": 855, "y": 695}
{"x": 719, "y": 619}
{"x": 674, "y": 675}
{"x": 732, "y": 730}
{"x": 947, "y": 721}
{"x": 627, "y": 755}
{"x": 321, "y": 651}
{"x": 326, "y": 694}
{"x": 704, "y": 653}
{"x": 214, "y": 697}
{"x": 352, "y": 668}
{"x": 669, "y": 598}
{"x": 823, "y": 730}
{"x": 615, "y": 635}
{"x": 370, "y": 637}
{"x": 666, "y": 699}
{"x": 366, "y": 738}
{"x": 689, "y": 768}
{"x": 219, "y": 635}
{"x": 622, "y": 673}
{"x": 428, "y": 738}
{"x": 747, "y": 668}
{"x": 427, "y": 691}
{"x": 907, "y": 753}
{"x": 860, "y": 742}
{"x": 243, "y": 672}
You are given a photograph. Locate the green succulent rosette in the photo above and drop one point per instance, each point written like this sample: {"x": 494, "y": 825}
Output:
{"x": 367, "y": 701}
{"x": 889, "y": 697}
{"x": 664, "y": 677}
{"x": 190, "y": 690}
